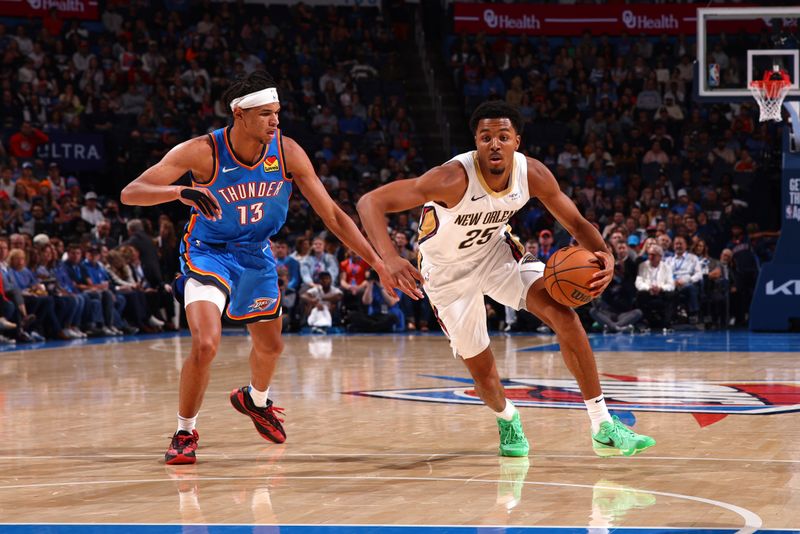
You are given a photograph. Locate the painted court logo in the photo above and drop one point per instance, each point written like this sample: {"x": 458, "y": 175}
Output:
{"x": 707, "y": 401}
{"x": 261, "y": 303}
{"x": 270, "y": 164}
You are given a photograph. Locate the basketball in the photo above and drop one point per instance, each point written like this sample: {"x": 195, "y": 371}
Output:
{"x": 567, "y": 275}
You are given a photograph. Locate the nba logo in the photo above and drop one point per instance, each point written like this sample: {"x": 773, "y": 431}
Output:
{"x": 713, "y": 75}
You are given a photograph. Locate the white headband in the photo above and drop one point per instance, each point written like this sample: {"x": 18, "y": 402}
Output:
{"x": 259, "y": 98}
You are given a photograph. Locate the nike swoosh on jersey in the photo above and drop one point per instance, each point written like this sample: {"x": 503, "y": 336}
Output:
{"x": 477, "y": 198}
{"x": 225, "y": 169}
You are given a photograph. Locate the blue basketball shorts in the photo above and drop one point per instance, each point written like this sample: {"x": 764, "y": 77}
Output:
{"x": 245, "y": 272}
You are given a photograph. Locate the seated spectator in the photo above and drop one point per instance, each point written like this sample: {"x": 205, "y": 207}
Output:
{"x": 154, "y": 296}
{"x": 280, "y": 250}
{"x": 23, "y": 144}
{"x": 655, "y": 155}
{"x": 316, "y": 262}
{"x": 615, "y": 309}
{"x": 715, "y": 284}
{"x": 147, "y": 270}
{"x": 688, "y": 276}
{"x": 37, "y": 301}
{"x": 321, "y": 302}
{"x": 665, "y": 242}
{"x": 90, "y": 212}
{"x": 8, "y": 313}
{"x": 101, "y": 281}
{"x": 546, "y": 248}
{"x": 745, "y": 162}
{"x": 28, "y": 180}
{"x": 382, "y": 311}
{"x": 79, "y": 276}
{"x": 69, "y": 306}
{"x": 288, "y": 300}
{"x": 123, "y": 281}
{"x": 353, "y": 274}
{"x": 655, "y": 287}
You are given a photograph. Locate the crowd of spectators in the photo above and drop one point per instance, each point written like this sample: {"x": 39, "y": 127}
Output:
{"x": 147, "y": 76}
{"x": 640, "y": 159}
{"x": 614, "y": 119}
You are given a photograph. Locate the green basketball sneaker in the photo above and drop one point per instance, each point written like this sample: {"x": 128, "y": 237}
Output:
{"x": 616, "y": 439}
{"x": 512, "y": 438}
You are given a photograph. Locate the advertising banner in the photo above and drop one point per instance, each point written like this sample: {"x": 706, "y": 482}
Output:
{"x": 68, "y": 9}
{"x": 776, "y": 301}
{"x": 359, "y": 3}
{"x": 567, "y": 20}
{"x": 75, "y": 152}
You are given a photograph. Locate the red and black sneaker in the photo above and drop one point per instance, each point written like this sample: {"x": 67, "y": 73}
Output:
{"x": 182, "y": 449}
{"x": 266, "y": 421}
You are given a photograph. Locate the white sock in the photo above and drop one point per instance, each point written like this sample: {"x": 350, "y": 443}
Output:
{"x": 598, "y": 412}
{"x": 508, "y": 412}
{"x": 186, "y": 423}
{"x": 259, "y": 397}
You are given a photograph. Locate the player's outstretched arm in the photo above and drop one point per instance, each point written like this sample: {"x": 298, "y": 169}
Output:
{"x": 155, "y": 185}
{"x": 445, "y": 184}
{"x": 335, "y": 219}
{"x": 542, "y": 183}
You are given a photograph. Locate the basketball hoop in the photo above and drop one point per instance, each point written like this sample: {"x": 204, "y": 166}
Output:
{"x": 769, "y": 93}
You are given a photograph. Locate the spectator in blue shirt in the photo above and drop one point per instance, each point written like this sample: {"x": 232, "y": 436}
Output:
{"x": 609, "y": 180}
{"x": 69, "y": 306}
{"x": 280, "y": 250}
{"x": 493, "y": 84}
{"x": 37, "y": 301}
{"x": 80, "y": 278}
{"x": 351, "y": 124}
{"x": 101, "y": 280}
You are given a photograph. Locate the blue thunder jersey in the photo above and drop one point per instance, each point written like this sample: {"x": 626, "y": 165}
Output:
{"x": 254, "y": 198}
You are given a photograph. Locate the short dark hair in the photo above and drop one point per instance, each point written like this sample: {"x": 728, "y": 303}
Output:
{"x": 255, "y": 81}
{"x": 496, "y": 109}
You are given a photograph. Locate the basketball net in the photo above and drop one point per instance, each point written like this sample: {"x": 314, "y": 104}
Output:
{"x": 769, "y": 92}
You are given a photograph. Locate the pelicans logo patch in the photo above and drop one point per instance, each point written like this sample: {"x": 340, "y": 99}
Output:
{"x": 271, "y": 164}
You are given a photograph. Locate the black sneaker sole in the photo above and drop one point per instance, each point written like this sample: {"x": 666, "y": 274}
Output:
{"x": 262, "y": 431}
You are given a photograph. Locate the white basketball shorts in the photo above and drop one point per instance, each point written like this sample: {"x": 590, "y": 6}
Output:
{"x": 456, "y": 292}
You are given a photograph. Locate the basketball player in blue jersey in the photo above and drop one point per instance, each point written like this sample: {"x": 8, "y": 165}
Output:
{"x": 467, "y": 252}
{"x": 242, "y": 177}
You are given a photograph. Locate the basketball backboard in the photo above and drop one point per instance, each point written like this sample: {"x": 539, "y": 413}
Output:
{"x": 737, "y": 45}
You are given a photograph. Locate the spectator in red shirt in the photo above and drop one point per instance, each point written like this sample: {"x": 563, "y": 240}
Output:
{"x": 23, "y": 143}
{"x": 353, "y": 270}
{"x": 53, "y": 23}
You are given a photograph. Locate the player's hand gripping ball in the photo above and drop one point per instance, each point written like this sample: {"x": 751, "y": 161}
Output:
{"x": 568, "y": 273}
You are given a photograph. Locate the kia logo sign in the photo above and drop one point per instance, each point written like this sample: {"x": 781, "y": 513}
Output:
{"x": 490, "y": 18}
{"x": 792, "y": 287}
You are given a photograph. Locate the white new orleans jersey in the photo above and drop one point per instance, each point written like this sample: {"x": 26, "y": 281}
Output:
{"x": 468, "y": 252}
{"x": 465, "y": 232}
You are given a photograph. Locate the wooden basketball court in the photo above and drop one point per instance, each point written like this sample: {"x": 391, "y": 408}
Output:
{"x": 382, "y": 431}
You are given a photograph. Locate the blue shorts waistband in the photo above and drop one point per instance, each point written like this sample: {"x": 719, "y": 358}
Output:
{"x": 234, "y": 246}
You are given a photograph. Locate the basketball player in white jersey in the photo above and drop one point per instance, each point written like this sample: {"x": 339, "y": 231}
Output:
{"x": 467, "y": 251}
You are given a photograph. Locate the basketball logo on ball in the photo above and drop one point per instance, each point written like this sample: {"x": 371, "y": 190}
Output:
{"x": 568, "y": 273}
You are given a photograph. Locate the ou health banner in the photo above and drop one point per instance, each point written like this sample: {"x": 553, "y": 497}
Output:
{"x": 567, "y": 20}
{"x": 75, "y": 152}
{"x": 69, "y": 9}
